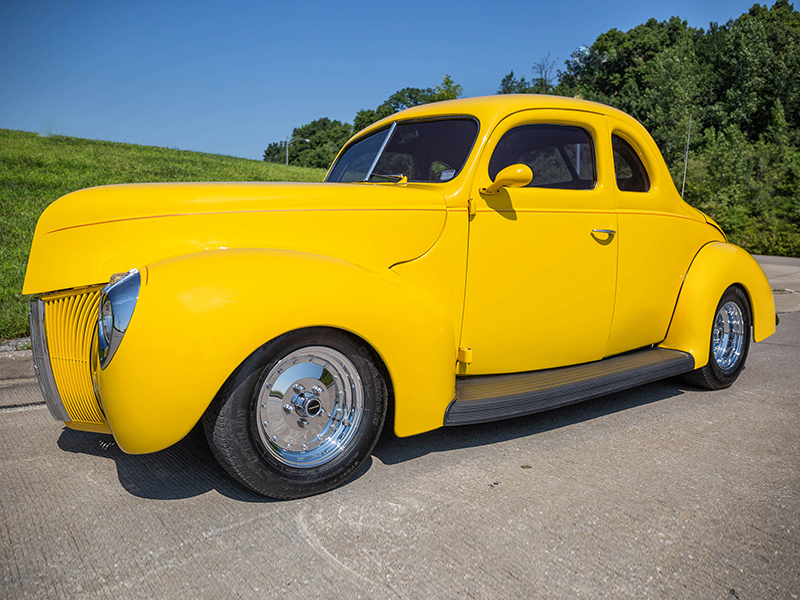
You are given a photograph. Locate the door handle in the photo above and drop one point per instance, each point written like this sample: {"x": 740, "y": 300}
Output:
{"x": 603, "y": 241}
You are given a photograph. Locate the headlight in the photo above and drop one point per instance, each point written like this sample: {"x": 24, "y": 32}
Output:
{"x": 117, "y": 302}
{"x": 106, "y": 319}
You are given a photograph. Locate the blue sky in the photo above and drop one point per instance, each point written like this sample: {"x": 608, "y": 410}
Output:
{"x": 230, "y": 77}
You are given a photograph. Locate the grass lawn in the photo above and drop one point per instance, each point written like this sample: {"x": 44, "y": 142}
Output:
{"x": 35, "y": 171}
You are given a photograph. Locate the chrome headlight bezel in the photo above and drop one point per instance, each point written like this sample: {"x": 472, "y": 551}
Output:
{"x": 117, "y": 303}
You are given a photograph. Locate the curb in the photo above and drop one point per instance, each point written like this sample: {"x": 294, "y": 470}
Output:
{"x": 17, "y": 364}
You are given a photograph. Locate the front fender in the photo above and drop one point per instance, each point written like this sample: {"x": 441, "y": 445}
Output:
{"x": 199, "y": 316}
{"x": 717, "y": 266}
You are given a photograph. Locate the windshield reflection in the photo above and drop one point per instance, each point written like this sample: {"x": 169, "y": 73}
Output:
{"x": 426, "y": 151}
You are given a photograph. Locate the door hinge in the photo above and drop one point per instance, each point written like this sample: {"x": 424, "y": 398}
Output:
{"x": 472, "y": 208}
{"x": 465, "y": 355}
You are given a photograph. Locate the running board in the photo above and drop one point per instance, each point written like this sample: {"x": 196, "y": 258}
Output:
{"x": 485, "y": 398}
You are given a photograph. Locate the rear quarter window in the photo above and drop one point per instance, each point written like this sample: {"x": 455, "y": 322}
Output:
{"x": 629, "y": 170}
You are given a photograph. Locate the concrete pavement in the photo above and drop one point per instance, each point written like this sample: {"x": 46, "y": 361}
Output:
{"x": 784, "y": 276}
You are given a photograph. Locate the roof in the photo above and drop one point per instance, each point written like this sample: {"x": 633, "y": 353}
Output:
{"x": 490, "y": 109}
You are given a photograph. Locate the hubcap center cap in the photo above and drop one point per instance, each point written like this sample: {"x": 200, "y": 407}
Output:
{"x": 307, "y": 405}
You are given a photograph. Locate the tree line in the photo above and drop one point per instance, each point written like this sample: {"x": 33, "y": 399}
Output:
{"x": 738, "y": 84}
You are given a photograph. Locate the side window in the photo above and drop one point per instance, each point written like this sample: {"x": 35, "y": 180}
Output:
{"x": 628, "y": 167}
{"x": 560, "y": 156}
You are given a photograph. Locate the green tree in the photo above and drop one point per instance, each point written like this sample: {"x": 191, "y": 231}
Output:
{"x": 541, "y": 84}
{"x": 615, "y": 68}
{"x": 325, "y": 138}
{"x": 511, "y": 85}
{"x": 755, "y": 60}
{"x": 751, "y": 188}
{"x": 673, "y": 93}
{"x": 406, "y": 98}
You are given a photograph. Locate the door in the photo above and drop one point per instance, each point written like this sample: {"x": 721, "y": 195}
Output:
{"x": 541, "y": 271}
{"x": 658, "y": 239}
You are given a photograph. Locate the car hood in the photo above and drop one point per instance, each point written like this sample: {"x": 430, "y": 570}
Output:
{"x": 84, "y": 237}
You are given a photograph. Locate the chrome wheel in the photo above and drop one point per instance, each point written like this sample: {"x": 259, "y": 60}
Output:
{"x": 309, "y": 407}
{"x": 300, "y": 415}
{"x": 727, "y": 336}
{"x": 730, "y": 341}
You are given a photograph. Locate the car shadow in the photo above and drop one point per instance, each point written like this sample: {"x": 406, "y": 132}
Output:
{"x": 184, "y": 470}
{"x": 393, "y": 450}
{"x": 188, "y": 468}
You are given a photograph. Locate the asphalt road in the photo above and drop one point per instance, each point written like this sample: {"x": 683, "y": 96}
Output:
{"x": 663, "y": 491}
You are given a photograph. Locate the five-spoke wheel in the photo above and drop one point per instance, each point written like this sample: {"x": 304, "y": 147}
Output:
{"x": 309, "y": 406}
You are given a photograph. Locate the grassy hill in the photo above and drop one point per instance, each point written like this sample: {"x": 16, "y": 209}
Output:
{"x": 35, "y": 171}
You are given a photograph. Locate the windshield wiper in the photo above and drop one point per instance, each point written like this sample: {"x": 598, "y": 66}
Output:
{"x": 395, "y": 177}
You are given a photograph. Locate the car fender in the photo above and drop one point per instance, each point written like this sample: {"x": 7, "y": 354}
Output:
{"x": 717, "y": 266}
{"x": 200, "y": 316}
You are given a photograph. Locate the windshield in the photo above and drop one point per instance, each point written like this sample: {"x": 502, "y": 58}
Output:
{"x": 430, "y": 151}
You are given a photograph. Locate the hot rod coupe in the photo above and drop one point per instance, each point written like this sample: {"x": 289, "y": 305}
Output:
{"x": 463, "y": 262}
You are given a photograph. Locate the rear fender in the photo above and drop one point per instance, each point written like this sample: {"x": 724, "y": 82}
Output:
{"x": 717, "y": 266}
{"x": 200, "y": 316}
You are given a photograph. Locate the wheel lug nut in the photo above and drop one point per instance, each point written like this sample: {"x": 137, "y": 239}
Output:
{"x": 298, "y": 387}
{"x": 316, "y": 390}
{"x": 288, "y": 409}
{"x": 302, "y": 422}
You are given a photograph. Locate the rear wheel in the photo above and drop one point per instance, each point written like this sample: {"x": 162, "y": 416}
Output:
{"x": 730, "y": 342}
{"x": 300, "y": 415}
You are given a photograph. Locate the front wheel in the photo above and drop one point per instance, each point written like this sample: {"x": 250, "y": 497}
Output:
{"x": 730, "y": 341}
{"x": 300, "y": 415}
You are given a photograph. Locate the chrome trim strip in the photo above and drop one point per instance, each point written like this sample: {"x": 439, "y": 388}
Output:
{"x": 380, "y": 151}
{"x": 41, "y": 363}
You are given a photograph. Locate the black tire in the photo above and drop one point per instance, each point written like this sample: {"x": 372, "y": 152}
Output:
{"x": 727, "y": 355}
{"x": 255, "y": 427}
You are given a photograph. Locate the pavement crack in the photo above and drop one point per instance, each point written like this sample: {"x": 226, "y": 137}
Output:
{"x": 21, "y": 405}
{"x": 315, "y": 544}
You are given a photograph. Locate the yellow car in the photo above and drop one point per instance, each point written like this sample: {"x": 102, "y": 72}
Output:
{"x": 462, "y": 262}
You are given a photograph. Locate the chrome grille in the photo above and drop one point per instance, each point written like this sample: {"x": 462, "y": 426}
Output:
{"x": 41, "y": 363}
{"x": 63, "y": 328}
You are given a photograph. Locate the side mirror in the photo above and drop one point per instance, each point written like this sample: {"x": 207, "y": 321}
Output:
{"x": 518, "y": 175}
